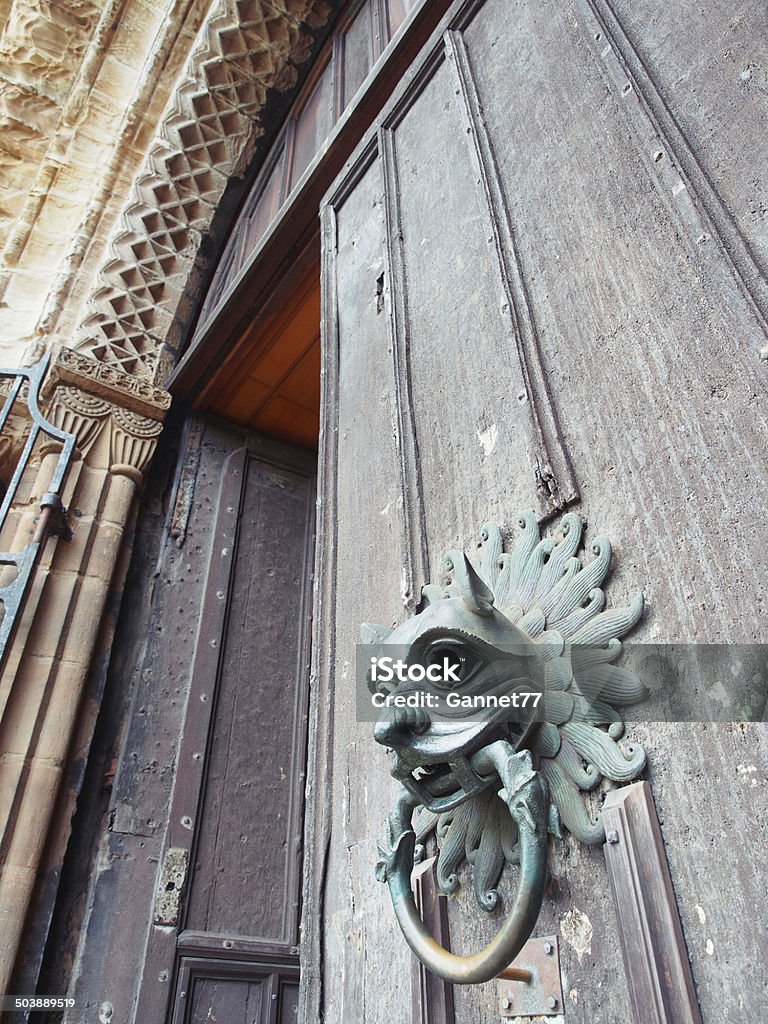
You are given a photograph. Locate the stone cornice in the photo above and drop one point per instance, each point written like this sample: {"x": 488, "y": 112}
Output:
{"x": 103, "y": 380}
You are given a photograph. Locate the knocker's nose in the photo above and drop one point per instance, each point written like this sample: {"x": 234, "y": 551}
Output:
{"x": 387, "y": 732}
{"x": 399, "y": 725}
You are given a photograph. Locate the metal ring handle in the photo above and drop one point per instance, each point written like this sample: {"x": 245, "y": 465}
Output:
{"x": 526, "y": 795}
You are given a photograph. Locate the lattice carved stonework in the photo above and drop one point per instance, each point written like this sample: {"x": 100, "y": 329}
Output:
{"x": 207, "y": 134}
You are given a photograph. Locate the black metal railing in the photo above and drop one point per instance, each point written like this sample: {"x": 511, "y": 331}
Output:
{"x": 19, "y": 566}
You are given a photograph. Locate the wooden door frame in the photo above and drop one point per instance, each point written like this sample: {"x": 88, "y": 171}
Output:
{"x": 291, "y": 239}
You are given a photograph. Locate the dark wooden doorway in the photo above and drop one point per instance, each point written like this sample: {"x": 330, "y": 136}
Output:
{"x": 238, "y": 804}
{"x": 228, "y": 901}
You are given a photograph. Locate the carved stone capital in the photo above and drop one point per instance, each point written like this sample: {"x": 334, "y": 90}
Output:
{"x": 132, "y": 443}
{"x": 85, "y": 374}
{"x": 86, "y": 397}
{"x": 78, "y": 413}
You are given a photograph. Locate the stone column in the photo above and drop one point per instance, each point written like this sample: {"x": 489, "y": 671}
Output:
{"x": 117, "y": 420}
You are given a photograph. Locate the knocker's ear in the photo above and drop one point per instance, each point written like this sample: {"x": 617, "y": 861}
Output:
{"x": 431, "y": 594}
{"x": 474, "y": 593}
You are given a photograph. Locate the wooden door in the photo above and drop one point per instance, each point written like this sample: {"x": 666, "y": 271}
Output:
{"x": 541, "y": 291}
{"x": 228, "y": 895}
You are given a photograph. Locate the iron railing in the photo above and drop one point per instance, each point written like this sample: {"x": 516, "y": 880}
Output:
{"x": 52, "y": 518}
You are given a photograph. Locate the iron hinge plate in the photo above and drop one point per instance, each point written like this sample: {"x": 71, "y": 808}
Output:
{"x": 172, "y": 877}
{"x": 542, "y": 996}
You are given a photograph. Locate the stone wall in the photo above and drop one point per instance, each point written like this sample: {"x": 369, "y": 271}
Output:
{"x": 82, "y": 85}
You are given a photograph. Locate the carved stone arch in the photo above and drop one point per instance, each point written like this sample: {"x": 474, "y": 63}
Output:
{"x": 208, "y": 135}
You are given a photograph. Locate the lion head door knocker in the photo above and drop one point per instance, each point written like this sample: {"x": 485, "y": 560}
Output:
{"x": 493, "y": 784}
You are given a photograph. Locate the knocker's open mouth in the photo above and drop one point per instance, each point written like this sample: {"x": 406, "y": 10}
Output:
{"x": 435, "y": 727}
{"x": 443, "y": 766}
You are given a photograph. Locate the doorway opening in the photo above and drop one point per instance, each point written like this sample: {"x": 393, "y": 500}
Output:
{"x": 235, "y": 953}
{"x": 270, "y": 381}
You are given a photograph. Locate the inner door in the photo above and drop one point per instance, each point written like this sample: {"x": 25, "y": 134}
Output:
{"x": 230, "y": 886}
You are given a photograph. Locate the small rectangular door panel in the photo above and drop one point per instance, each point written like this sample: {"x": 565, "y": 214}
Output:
{"x": 245, "y": 876}
{"x": 236, "y": 1002}
{"x": 215, "y": 990}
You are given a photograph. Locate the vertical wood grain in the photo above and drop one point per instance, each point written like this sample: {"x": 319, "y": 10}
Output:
{"x": 640, "y": 71}
{"x": 556, "y": 485}
{"x": 655, "y": 957}
{"x": 321, "y": 729}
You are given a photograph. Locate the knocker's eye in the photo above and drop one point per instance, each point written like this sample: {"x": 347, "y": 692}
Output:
{"x": 453, "y": 663}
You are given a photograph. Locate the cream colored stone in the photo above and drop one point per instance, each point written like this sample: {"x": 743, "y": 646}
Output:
{"x": 204, "y": 129}
{"x": 68, "y": 555}
{"x": 40, "y": 715}
{"x": 58, "y": 721}
{"x": 22, "y": 705}
{"x": 76, "y": 81}
{"x": 23, "y": 856}
{"x": 11, "y": 769}
{"x": 18, "y": 879}
{"x": 51, "y": 614}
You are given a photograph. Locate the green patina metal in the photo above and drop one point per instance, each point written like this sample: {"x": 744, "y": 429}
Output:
{"x": 493, "y": 788}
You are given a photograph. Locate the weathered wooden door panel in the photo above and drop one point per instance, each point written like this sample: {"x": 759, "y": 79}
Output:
{"x": 526, "y": 305}
{"x": 248, "y": 699}
{"x": 226, "y": 999}
{"x": 456, "y": 324}
{"x": 245, "y": 877}
{"x": 704, "y": 78}
{"x": 650, "y": 342}
{"x": 366, "y": 550}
